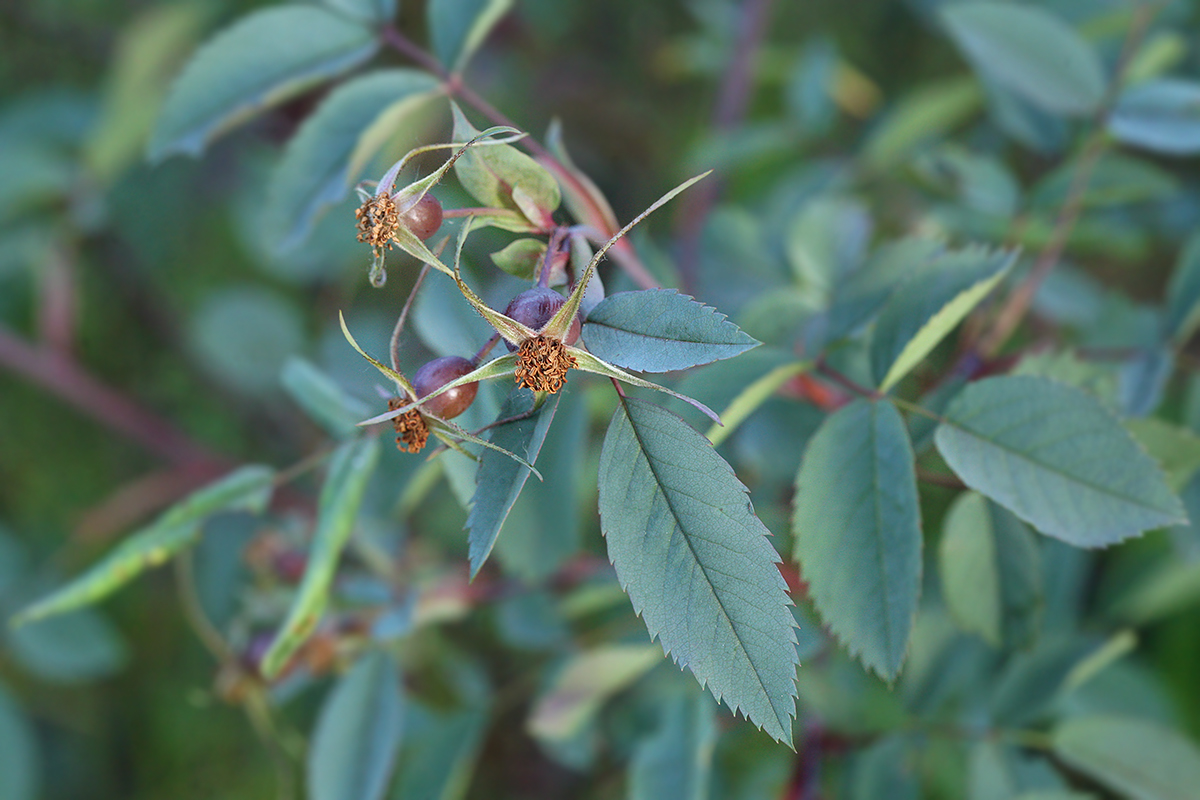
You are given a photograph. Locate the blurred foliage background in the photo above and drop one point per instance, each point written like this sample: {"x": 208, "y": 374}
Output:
{"x": 146, "y": 317}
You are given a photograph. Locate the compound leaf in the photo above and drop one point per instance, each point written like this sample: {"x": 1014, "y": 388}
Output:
{"x": 696, "y": 563}
{"x": 1055, "y": 457}
{"x": 857, "y": 531}
{"x": 661, "y": 330}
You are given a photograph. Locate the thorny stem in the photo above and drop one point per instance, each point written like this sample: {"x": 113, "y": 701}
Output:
{"x": 453, "y": 85}
{"x": 1017, "y": 305}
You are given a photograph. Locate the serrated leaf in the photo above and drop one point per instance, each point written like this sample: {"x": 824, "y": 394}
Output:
{"x": 499, "y": 479}
{"x": 1055, "y": 457}
{"x": 929, "y": 305}
{"x": 1162, "y": 116}
{"x": 857, "y": 531}
{"x": 1031, "y": 52}
{"x": 357, "y": 735}
{"x": 493, "y": 175}
{"x": 247, "y": 489}
{"x": 314, "y": 171}
{"x": 321, "y": 398}
{"x": 674, "y": 763}
{"x": 458, "y": 27}
{"x": 259, "y": 61}
{"x": 337, "y": 508}
{"x": 585, "y": 682}
{"x": 696, "y": 562}
{"x": 991, "y": 572}
{"x": 1139, "y": 759}
{"x": 20, "y": 760}
{"x": 661, "y": 330}
{"x": 1183, "y": 294}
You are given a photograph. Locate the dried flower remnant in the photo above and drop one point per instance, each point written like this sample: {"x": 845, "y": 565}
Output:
{"x": 542, "y": 364}
{"x": 411, "y": 431}
{"x": 378, "y": 220}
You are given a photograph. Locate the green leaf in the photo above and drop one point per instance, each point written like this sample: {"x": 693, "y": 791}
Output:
{"x": 337, "y": 508}
{"x": 70, "y": 648}
{"x": 886, "y": 769}
{"x": 499, "y": 479}
{"x": 1183, "y": 294}
{"x": 925, "y": 114}
{"x": 458, "y": 27}
{"x": 314, "y": 171}
{"x": 1162, "y": 116}
{"x": 370, "y": 11}
{"x": 261, "y": 60}
{"x": 1032, "y": 680}
{"x": 357, "y": 735}
{"x": 1175, "y": 448}
{"x": 696, "y": 562}
{"x": 752, "y": 397}
{"x": 674, "y": 763}
{"x": 440, "y": 751}
{"x": 1030, "y": 51}
{"x": 928, "y": 306}
{"x": 521, "y": 258}
{"x": 586, "y": 681}
{"x": 661, "y": 330}
{"x": 1138, "y": 759}
{"x": 857, "y": 529}
{"x": 248, "y": 489}
{"x": 1116, "y": 180}
{"x": 991, "y": 572}
{"x": 20, "y": 761}
{"x": 501, "y": 176}
{"x": 321, "y": 398}
{"x": 1055, "y": 457}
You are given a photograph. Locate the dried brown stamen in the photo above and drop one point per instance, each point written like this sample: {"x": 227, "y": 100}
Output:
{"x": 411, "y": 431}
{"x": 542, "y": 364}
{"x": 377, "y": 220}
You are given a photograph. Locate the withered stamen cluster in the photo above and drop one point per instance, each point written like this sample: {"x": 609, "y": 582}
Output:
{"x": 411, "y": 431}
{"x": 542, "y": 364}
{"x": 377, "y": 220}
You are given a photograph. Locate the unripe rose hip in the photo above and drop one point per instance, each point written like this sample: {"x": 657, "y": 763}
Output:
{"x": 424, "y": 218}
{"x": 436, "y": 374}
{"x": 534, "y": 307}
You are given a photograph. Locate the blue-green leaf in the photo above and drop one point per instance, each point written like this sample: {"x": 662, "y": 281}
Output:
{"x": 991, "y": 572}
{"x": 337, "y": 508}
{"x": 371, "y": 11}
{"x": 1055, "y": 457}
{"x": 1183, "y": 293}
{"x": 259, "y": 61}
{"x": 500, "y": 479}
{"x": 321, "y": 398}
{"x": 674, "y": 763}
{"x": 696, "y": 562}
{"x": 886, "y": 769}
{"x": 20, "y": 762}
{"x": 857, "y": 531}
{"x": 314, "y": 171}
{"x": 1138, "y": 759}
{"x": 248, "y": 488}
{"x": 357, "y": 735}
{"x": 660, "y": 330}
{"x": 69, "y": 648}
{"x": 1162, "y": 116}
{"x": 1030, "y": 51}
{"x": 440, "y": 750}
{"x": 928, "y": 306}
{"x": 458, "y": 27}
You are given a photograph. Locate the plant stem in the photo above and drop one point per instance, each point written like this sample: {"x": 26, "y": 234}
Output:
{"x": 846, "y": 383}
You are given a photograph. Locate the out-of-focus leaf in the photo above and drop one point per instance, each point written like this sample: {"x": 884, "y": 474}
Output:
{"x": 1116, "y": 180}
{"x": 991, "y": 572}
{"x": 922, "y": 116}
{"x": 886, "y": 769}
{"x": 72, "y": 648}
{"x": 1142, "y": 380}
{"x": 1176, "y": 449}
{"x": 248, "y": 489}
{"x": 500, "y": 479}
{"x": 857, "y": 531}
{"x": 314, "y": 172}
{"x": 521, "y": 258}
{"x": 321, "y": 398}
{"x": 752, "y": 398}
{"x": 259, "y": 61}
{"x": 1183, "y": 293}
{"x": 1162, "y": 116}
{"x": 1138, "y": 759}
{"x": 440, "y": 750}
{"x": 1032, "y": 680}
{"x": 458, "y": 27}
{"x": 1166, "y": 589}
{"x": 371, "y": 11}
{"x": 696, "y": 562}
{"x": 660, "y": 330}
{"x": 358, "y": 733}
{"x": 1030, "y": 51}
{"x": 584, "y": 684}
{"x": 20, "y": 761}
{"x": 928, "y": 306}
{"x": 1056, "y": 458}
{"x": 825, "y": 242}
{"x": 1064, "y": 366}
{"x": 674, "y": 763}
{"x": 244, "y": 334}
{"x": 1185, "y": 539}
{"x": 979, "y": 181}
{"x": 337, "y": 508}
